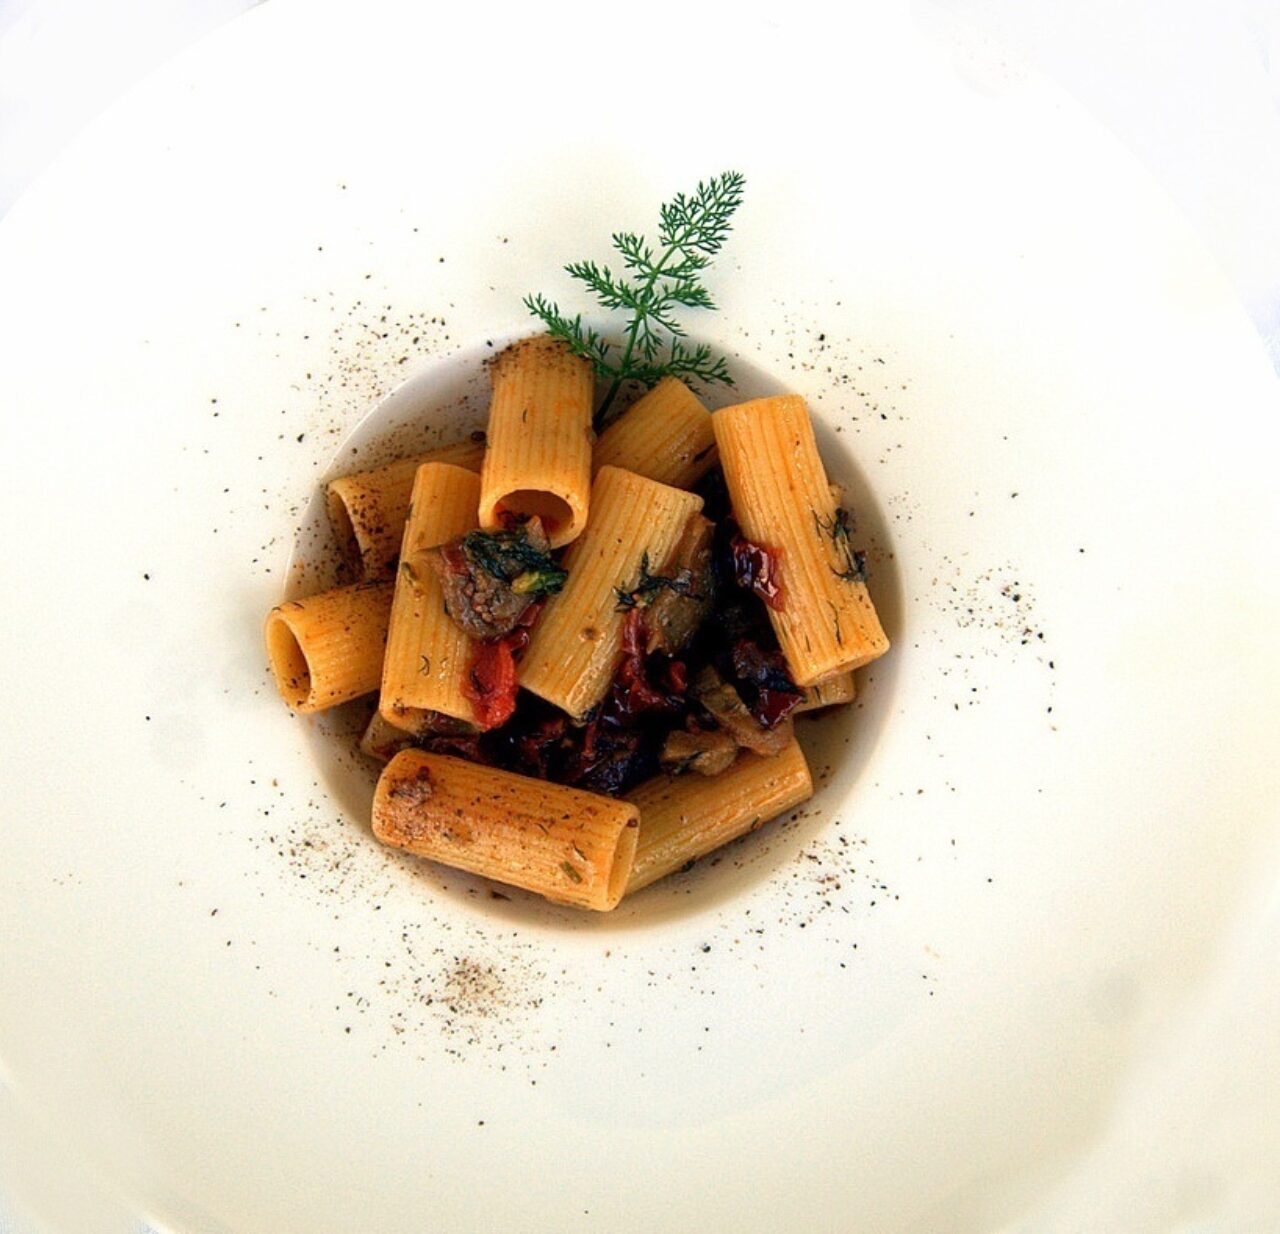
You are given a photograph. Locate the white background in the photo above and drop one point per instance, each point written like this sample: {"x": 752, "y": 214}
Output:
{"x": 1192, "y": 88}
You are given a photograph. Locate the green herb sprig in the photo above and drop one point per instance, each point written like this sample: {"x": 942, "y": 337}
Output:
{"x": 647, "y": 589}
{"x": 692, "y": 229}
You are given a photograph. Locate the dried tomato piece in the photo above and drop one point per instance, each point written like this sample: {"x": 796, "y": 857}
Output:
{"x": 491, "y": 684}
{"x": 632, "y": 691}
{"x": 773, "y": 706}
{"x": 764, "y": 673}
{"x": 759, "y": 569}
{"x": 633, "y": 637}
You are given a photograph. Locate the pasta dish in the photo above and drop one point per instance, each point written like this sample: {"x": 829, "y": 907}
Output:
{"x": 587, "y": 651}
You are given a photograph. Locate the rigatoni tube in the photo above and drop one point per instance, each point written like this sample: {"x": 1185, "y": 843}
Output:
{"x": 367, "y": 509}
{"x": 327, "y": 649}
{"x": 383, "y": 741}
{"x": 666, "y": 435}
{"x": 685, "y": 817}
{"x": 826, "y": 624}
{"x": 829, "y": 693}
{"x": 538, "y": 457}
{"x": 574, "y": 650}
{"x": 428, "y": 655}
{"x": 562, "y": 843}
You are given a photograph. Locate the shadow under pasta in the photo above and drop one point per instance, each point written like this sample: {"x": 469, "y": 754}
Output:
{"x": 444, "y": 402}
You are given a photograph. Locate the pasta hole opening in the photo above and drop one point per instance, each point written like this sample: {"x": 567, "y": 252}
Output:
{"x": 556, "y": 513}
{"x": 288, "y": 662}
{"x": 344, "y": 530}
{"x": 623, "y": 857}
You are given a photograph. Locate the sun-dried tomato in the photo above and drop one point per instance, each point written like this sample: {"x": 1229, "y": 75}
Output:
{"x": 632, "y": 692}
{"x": 759, "y": 569}
{"x": 768, "y": 686}
{"x": 491, "y": 685}
{"x": 773, "y": 706}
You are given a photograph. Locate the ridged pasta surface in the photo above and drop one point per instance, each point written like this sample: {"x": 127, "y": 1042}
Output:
{"x": 327, "y": 649}
{"x": 565, "y": 844}
{"x": 666, "y": 435}
{"x": 827, "y": 624}
{"x": 538, "y": 456}
{"x": 574, "y": 650}
{"x": 428, "y": 654}
{"x": 367, "y": 509}
{"x": 685, "y": 817}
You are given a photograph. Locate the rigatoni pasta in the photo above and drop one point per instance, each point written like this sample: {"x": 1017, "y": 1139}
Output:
{"x": 367, "y": 509}
{"x": 683, "y": 818}
{"x": 574, "y": 649}
{"x": 428, "y": 655}
{"x": 569, "y": 846}
{"x": 383, "y": 741}
{"x": 666, "y": 435}
{"x": 826, "y": 623}
{"x": 569, "y": 615}
{"x": 830, "y": 693}
{"x": 538, "y": 457}
{"x": 327, "y": 649}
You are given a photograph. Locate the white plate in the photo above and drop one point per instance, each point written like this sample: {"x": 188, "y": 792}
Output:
{"x": 915, "y": 1007}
